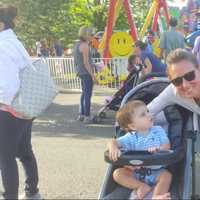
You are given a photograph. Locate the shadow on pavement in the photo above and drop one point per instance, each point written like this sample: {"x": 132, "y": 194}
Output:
{"x": 60, "y": 121}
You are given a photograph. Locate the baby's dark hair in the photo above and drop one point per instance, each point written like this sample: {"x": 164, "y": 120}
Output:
{"x": 7, "y": 15}
{"x": 125, "y": 114}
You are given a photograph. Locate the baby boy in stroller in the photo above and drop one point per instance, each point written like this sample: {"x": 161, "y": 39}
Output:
{"x": 135, "y": 119}
{"x": 182, "y": 129}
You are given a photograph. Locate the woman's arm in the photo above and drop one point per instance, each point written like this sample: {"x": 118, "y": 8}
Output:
{"x": 148, "y": 66}
{"x": 165, "y": 98}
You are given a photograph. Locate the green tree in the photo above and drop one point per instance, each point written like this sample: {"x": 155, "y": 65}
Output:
{"x": 62, "y": 19}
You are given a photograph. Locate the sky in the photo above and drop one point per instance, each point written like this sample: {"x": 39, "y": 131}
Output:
{"x": 177, "y": 3}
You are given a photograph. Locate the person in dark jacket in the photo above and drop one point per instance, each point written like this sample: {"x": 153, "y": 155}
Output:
{"x": 151, "y": 62}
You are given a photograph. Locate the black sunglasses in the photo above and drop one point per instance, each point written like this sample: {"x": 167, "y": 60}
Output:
{"x": 190, "y": 76}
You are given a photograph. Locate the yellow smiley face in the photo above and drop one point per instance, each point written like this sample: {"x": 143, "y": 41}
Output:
{"x": 121, "y": 44}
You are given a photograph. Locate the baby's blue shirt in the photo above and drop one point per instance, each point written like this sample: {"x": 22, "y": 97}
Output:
{"x": 138, "y": 141}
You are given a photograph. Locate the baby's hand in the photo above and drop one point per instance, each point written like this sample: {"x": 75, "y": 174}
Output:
{"x": 153, "y": 149}
{"x": 114, "y": 153}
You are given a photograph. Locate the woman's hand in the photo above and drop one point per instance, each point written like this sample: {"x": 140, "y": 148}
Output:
{"x": 94, "y": 78}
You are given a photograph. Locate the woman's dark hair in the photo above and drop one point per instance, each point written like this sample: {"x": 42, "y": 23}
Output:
{"x": 7, "y": 15}
{"x": 131, "y": 58}
{"x": 140, "y": 44}
{"x": 181, "y": 54}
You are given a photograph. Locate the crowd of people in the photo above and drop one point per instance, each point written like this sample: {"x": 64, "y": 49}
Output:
{"x": 43, "y": 49}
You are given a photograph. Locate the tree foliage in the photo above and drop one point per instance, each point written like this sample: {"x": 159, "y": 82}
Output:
{"x": 62, "y": 19}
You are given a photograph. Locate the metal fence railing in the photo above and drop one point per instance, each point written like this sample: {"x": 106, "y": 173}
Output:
{"x": 109, "y": 72}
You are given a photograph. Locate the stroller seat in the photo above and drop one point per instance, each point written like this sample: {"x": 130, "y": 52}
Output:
{"x": 178, "y": 161}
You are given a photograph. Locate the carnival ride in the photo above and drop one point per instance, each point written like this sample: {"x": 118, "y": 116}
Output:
{"x": 120, "y": 44}
{"x": 113, "y": 13}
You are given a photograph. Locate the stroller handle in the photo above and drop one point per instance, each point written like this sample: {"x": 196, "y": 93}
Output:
{"x": 145, "y": 158}
{"x": 153, "y": 75}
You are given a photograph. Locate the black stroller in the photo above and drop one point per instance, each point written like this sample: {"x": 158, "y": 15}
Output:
{"x": 183, "y": 129}
{"x": 130, "y": 82}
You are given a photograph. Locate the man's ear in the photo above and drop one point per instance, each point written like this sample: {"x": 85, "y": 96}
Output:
{"x": 2, "y": 26}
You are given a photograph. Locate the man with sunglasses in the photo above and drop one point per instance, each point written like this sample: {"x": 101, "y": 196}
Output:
{"x": 184, "y": 75}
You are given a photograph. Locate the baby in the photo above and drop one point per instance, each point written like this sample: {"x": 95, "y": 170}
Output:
{"x": 136, "y": 120}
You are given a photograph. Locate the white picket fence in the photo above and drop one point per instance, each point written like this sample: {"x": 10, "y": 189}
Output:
{"x": 109, "y": 72}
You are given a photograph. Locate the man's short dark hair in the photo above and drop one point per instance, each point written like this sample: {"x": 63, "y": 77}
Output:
{"x": 173, "y": 22}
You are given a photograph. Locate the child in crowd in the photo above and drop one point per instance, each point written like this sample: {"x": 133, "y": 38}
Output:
{"x": 136, "y": 120}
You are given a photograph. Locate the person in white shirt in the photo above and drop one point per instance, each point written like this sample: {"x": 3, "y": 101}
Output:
{"x": 184, "y": 74}
{"x": 38, "y": 48}
{"x": 15, "y": 130}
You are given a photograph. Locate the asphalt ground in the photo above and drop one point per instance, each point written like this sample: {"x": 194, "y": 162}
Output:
{"x": 70, "y": 153}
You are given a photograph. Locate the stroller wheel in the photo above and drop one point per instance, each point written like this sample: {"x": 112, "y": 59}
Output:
{"x": 96, "y": 119}
{"x": 102, "y": 115}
